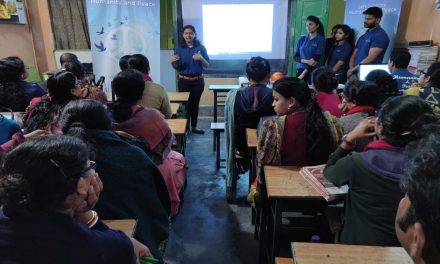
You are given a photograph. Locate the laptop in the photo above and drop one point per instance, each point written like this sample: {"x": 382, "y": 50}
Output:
{"x": 365, "y": 69}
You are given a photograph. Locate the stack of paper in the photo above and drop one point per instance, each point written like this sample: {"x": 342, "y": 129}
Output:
{"x": 422, "y": 57}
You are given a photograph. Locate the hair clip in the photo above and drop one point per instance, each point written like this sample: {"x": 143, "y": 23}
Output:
{"x": 405, "y": 133}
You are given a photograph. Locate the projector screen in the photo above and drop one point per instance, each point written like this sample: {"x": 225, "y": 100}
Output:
{"x": 235, "y": 31}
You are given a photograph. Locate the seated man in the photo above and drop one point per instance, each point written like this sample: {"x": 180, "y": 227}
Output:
{"x": 398, "y": 64}
{"x": 430, "y": 81}
{"x": 154, "y": 95}
{"x": 417, "y": 220}
{"x": 67, "y": 57}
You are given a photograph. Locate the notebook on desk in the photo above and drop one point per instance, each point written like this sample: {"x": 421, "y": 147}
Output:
{"x": 315, "y": 176}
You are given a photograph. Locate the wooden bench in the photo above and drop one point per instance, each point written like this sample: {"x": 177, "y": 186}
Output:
{"x": 217, "y": 128}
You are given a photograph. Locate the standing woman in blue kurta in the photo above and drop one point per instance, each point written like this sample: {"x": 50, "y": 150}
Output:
{"x": 190, "y": 59}
{"x": 339, "y": 56}
{"x": 310, "y": 49}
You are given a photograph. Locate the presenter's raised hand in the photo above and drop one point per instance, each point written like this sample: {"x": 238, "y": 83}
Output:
{"x": 197, "y": 56}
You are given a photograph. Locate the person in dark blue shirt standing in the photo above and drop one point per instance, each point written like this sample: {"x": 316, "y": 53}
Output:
{"x": 371, "y": 46}
{"x": 310, "y": 49}
{"x": 190, "y": 60}
{"x": 398, "y": 64}
{"x": 340, "y": 52}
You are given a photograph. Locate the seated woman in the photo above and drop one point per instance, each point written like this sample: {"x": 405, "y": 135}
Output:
{"x": 373, "y": 176}
{"x": 85, "y": 90}
{"x": 150, "y": 124}
{"x": 300, "y": 135}
{"x": 15, "y": 93}
{"x": 325, "y": 83}
{"x": 48, "y": 189}
{"x": 243, "y": 109}
{"x": 134, "y": 187}
{"x": 430, "y": 82}
{"x": 359, "y": 100}
{"x": 154, "y": 95}
{"x": 340, "y": 50}
{"x": 43, "y": 112}
{"x": 386, "y": 84}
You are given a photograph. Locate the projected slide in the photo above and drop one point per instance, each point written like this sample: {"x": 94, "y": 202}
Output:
{"x": 237, "y": 29}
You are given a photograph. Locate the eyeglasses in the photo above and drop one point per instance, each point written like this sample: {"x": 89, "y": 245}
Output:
{"x": 91, "y": 166}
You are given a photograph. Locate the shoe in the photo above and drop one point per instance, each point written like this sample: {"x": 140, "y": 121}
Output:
{"x": 197, "y": 130}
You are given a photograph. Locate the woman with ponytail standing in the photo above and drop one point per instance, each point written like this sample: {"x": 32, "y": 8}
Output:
{"x": 299, "y": 135}
{"x": 190, "y": 60}
{"x": 310, "y": 49}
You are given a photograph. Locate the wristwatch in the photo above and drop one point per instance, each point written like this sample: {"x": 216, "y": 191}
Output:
{"x": 344, "y": 139}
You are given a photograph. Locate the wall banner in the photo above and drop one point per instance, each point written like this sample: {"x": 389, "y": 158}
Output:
{"x": 391, "y": 13}
{"x": 121, "y": 27}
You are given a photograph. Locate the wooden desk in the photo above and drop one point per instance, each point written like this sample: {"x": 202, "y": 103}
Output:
{"x": 126, "y": 225}
{"x": 179, "y": 127}
{"x": 174, "y": 108}
{"x": 217, "y": 128}
{"x": 284, "y": 184}
{"x": 251, "y": 137}
{"x": 283, "y": 261}
{"x": 316, "y": 253}
{"x": 178, "y": 97}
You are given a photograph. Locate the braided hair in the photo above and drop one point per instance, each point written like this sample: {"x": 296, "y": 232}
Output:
{"x": 319, "y": 143}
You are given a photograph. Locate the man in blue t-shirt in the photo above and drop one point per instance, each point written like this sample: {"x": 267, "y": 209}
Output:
{"x": 371, "y": 46}
{"x": 398, "y": 64}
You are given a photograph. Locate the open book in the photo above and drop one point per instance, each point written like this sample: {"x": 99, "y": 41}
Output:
{"x": 315, "y": 176}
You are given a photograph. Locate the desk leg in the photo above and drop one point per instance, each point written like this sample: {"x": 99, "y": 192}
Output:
{"x": 252, "y": 168}
{"x": 252, "y": 172}
{"x": 262, "y": 236}
{"x": 276, "y": 229}
{"x": 181, "y": 143}
{"x": 187, "y": 115}
{"x": 215, "y": 116}
{"x": 217, "y": 135}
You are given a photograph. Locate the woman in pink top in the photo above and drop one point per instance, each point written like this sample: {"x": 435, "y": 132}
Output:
{"x": 150, "y": 124}
{"x": 325, "y": 83}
